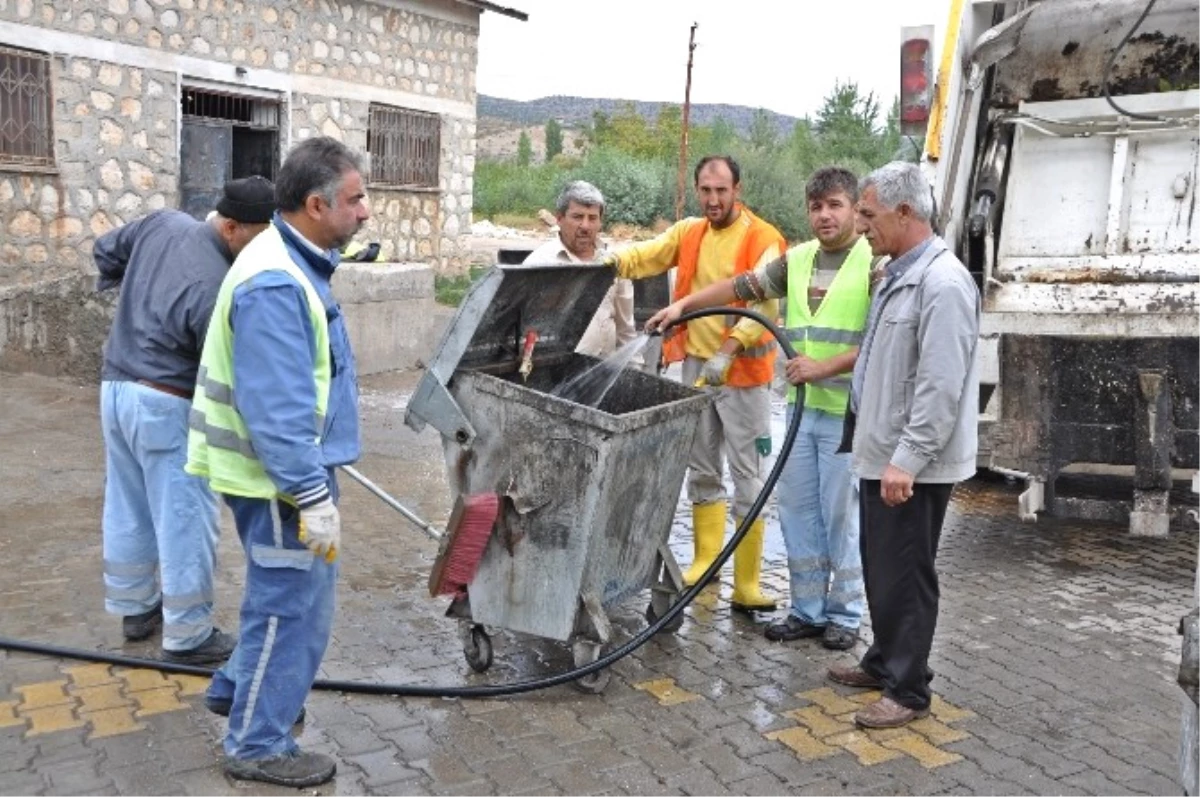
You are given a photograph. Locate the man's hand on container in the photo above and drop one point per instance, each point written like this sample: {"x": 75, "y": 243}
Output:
{"x": 321, "y": 529}
{"x": 664, "y": 317}
{"x": 715, "y": 369}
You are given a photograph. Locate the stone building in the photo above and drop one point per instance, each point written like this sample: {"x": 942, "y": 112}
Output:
{"x": 112, "y": 108}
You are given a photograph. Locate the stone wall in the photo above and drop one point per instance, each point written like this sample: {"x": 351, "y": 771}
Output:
{"x": 353, "y": 40}
{"x": 114, "y": 137}
{"x": 413, "y": 225}
{"x": 116, "y": 125}
{"x": 118, "y": 67}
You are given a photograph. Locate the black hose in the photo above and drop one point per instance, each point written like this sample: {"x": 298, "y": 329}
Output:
{"x": 500, "y": 690}
{"x": 1112, "y": 60}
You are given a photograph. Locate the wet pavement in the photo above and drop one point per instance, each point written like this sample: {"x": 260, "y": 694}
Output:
{"x": 1055, "y": 657}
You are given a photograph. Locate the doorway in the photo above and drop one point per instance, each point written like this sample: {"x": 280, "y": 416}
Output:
{"x": 223, "y": 137}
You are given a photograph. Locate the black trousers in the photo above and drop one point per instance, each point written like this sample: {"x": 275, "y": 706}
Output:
{"x": 899, "y": 545}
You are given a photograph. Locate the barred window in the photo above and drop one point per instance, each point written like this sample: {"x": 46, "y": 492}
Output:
{"x": 26, "y": 132}
{"x": 405, "y": 147}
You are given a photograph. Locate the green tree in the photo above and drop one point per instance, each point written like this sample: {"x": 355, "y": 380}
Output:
{"x": 600, "y": 129}
{"x": 721, "y": 135}
{"x": 629, "y": 133}
{"x": 524, "y": 149}
{"x": 844, "y": 111}
{"x": 668, "y": 128}
{"x": 764, "y": 135}
{"x": 554, "y": 139}
{"x": 848, "y": 130}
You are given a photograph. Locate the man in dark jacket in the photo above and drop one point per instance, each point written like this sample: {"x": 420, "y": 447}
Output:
{"x": 160, "y": 524}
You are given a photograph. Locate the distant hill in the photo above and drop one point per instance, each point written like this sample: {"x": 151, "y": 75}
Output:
{"x": 577, "y": 111}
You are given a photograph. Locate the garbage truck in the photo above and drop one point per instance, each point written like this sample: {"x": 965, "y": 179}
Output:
{"x": 1061, "y": 144}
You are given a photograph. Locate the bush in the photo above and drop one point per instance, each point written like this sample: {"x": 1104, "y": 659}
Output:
{"x": 450, "y": 290}
{"x": 505, "y": 187}
{"x": 634, "y": 190}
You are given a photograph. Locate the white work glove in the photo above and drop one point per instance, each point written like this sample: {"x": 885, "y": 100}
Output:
{"x": 715, "y": 369}
{"x": 321, "y": 529}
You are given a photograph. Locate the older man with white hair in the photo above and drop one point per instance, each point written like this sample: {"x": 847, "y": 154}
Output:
{"x": 915, "y": 407}
{"x": 580, "y": 214}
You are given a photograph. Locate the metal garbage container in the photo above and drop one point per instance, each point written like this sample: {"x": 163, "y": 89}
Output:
{"x": 587, "y": 494}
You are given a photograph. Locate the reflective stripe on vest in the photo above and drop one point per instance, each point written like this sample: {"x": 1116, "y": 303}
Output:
{"x": 219, "y": 445}
{"x": 755, "y": 365}
{"x": 836, "y": 327}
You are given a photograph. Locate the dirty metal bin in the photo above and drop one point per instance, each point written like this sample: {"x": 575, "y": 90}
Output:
{"x": 587, "y": 493}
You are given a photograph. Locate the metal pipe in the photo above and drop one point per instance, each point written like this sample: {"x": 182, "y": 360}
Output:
{"x": 379, "y": 493}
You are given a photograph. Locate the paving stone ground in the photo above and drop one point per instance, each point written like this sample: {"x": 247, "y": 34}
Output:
{"x": 1055, "y": 658}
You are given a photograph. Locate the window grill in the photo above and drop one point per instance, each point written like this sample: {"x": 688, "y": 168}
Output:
{"x": 405, "y": 147}
{"x": 26, "y": 130}
{"x": 217, "y": 105}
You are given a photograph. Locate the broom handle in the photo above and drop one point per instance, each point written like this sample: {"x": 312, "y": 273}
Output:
{"x": 392, "y": 502}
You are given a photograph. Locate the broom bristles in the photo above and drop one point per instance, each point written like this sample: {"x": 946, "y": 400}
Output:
{"x": 465, "y": 541}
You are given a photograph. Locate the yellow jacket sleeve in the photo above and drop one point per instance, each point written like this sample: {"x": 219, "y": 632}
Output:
{"x": 748, "y": 332}
{"x": 654, "y": 256}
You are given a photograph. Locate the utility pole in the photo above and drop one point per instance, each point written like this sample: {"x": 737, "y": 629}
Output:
{"x": 681, "y": 181}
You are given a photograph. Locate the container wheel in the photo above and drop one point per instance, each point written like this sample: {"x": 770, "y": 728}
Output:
{"x": 652, "y": 617}
{"x": 583, "y": 653}
{"x": 477, "y": 647}
{"x": 592, "y": 684}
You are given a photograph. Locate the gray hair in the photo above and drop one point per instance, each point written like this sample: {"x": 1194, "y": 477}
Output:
{"x": 581, "y": 192}
{"x": 314, "y": 166}
{"x": 898, "y": 183}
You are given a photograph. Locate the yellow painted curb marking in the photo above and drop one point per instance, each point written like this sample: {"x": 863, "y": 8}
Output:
{"x": 191, "y": 684}
{"x": 827, "y": 727}
{"x": 936, "y": 732}
{"x": 820, "y": 723}
{"x": 667, "y": 692}
{"x": 94, "y": 696}
{"x": 112, "y": 722}
{"x": 948, "y": 713}
{"x": 41, "y": 695}
{"x": 926, "y": 754}
{"x": 157, "y": 701}
{"x": 866, "y": 751}
{"x": 139, "y": 680}
{"x": 829, "y": 700}
{"x": 51, "y": 719}
{"x": 8, "y": 714}
{"x": 803, "y": 743}
{"x": 90, "y": 675}
{"x": 100, "y": 698}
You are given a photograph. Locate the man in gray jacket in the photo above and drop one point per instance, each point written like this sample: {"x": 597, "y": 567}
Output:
{"x": 915, "y": 399}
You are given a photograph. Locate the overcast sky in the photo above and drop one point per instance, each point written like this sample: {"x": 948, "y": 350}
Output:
{"x": 784, "y": 55}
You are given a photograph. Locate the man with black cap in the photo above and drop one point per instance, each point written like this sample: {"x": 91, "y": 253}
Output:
{"x": 160, "y": 524}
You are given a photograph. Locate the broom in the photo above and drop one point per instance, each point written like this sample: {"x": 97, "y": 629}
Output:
{"x": 460, "y": 546}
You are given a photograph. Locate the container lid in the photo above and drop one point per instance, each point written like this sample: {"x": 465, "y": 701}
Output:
{"x": 556, "y": 301}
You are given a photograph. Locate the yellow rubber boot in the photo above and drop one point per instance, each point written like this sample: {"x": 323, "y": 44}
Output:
{"x": 708, "y": 536}
{"x": 747, "y": 570}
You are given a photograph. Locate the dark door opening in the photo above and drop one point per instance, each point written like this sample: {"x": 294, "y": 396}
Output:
{"x": 223, "y": 137}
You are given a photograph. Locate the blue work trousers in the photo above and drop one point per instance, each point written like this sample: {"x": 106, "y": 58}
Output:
{"x": 158, "y": 520}
{"x": 286, "y": 619}
{"x": 818, "y": 514}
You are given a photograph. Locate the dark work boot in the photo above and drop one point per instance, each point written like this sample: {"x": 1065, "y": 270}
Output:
{"x": 140, "y": 626}
{"x": 792, "y": 628}
{"x": 214, "y": 650}
{"x": 297, "y": 769}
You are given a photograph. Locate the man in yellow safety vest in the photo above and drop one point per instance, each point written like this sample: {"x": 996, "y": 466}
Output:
{"x": 827, "y": 284}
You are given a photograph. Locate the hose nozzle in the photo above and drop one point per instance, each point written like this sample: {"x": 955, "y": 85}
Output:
{"x": 531, "y": 338}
